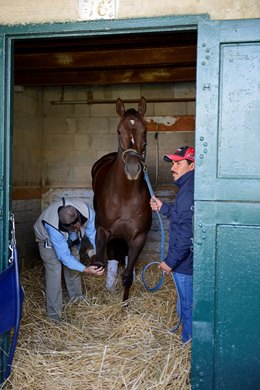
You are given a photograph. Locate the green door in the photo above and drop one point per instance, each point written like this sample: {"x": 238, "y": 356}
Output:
{"x": 5, "y": 117}
{"x": 226, "y": 321}
{"x": 5, "y": 162}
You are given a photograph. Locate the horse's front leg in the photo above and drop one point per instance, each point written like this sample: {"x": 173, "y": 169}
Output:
{"x": 135, "y": 248}
{"x": 99, "y": 259}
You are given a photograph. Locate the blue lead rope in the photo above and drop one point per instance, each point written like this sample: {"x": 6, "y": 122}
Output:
{"x": 159, "y": 284}
{"x": 155, "y": 288}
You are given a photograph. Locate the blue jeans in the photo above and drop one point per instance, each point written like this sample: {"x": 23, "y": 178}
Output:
{"x": 184, "y": 286}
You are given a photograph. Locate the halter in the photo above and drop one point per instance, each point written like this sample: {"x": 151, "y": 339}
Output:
{"x": 132, "y": 152}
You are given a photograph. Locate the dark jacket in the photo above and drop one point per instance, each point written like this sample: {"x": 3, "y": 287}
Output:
{"x": 180, "y": 254}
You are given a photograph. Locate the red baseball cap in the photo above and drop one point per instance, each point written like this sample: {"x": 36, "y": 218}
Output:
{"x": 182, "y": 153}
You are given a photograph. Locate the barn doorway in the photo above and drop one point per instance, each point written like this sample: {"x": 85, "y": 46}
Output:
{"x": 59, "y": 92}
{"x": 65, "y": 91}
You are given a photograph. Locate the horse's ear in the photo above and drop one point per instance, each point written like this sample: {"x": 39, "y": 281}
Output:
{"x": 142, "y": 106}
{"x": 120, "y": 107}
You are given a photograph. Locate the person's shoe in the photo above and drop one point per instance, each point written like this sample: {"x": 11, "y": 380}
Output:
{"x": 55, "y": 319}
{"x": 81, "y": 298}
{"x": 112, "y": 268}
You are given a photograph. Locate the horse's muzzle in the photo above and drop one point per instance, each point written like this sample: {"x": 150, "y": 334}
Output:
{"x": 133, "y": 170}
{"x": 132, "y": 160}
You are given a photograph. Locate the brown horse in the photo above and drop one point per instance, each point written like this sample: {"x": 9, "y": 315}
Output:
{"x": 121, "y": 196}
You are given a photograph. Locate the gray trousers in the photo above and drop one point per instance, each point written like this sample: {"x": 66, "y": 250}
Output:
{"x": 53, "y": 283}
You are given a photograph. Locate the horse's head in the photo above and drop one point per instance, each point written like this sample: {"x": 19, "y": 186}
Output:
{"x": 132, "y": 137}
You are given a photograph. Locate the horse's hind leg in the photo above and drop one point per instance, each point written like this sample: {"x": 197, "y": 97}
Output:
{"x": 126, "y": 295}
{"x": 127, "y": 278}
{"x": 126, "y": 264}
{"x": 133, "y": 253}
{"x": 127, "y": 289}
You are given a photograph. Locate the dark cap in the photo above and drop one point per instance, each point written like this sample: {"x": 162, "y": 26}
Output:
{"x": 182, "y": 153}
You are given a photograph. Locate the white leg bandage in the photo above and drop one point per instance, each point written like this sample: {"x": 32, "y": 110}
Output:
{"x": 112, "y": 269}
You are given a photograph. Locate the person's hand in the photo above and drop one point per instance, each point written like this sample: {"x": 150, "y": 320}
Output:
{"x": 165, "y": 267}
{"x": 94, "y": 270}
{"x": 155, "y": 203}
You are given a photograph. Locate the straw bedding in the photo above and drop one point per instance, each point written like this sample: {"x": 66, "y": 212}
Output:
{"x": 101, "y": 344}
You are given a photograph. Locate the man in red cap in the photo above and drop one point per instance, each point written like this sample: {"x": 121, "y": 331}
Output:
{"x": 180, "y": 254}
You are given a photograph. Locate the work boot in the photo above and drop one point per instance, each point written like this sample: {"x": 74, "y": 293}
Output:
{"x": 112, "y": 268}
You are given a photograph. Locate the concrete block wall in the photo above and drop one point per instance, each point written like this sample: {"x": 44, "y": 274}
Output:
{"x": 76, "y": 135}
{"x": 27, "y": 137}
{"x": 26, "y": 168}
{"x": 25, "y": 214}
{"x": 56, "y": 145}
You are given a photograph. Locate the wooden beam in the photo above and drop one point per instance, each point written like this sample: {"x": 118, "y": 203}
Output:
{"x": 117, "y": 42}
{"x": 23, "y": 193}
{"x": 106, "y": 58}
{"x": 128, "y": 58}
{"x": 97, "y": 77}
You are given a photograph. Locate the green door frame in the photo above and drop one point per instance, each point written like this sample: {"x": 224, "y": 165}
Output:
{"x": 10, "y": 34}
{"x": 221, "y": 208}
{"x": 226, "y": 321}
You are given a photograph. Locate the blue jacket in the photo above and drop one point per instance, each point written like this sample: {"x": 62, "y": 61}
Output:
{"x": 180, "y": 214}
{"x": 47, "y": 229}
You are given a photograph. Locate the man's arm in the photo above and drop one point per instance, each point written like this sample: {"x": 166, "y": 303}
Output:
{"x": 62, "y": 250}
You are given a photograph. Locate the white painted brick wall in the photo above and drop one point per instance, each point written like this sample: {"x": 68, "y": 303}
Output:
{"x": 28, "y": 11}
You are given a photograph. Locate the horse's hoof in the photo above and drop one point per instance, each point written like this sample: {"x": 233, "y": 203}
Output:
{"x": 98, "y": 264}
{"x": 125, "y": 305}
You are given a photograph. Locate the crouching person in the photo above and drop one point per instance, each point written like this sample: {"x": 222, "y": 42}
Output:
{"x": 59, "y": 231}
